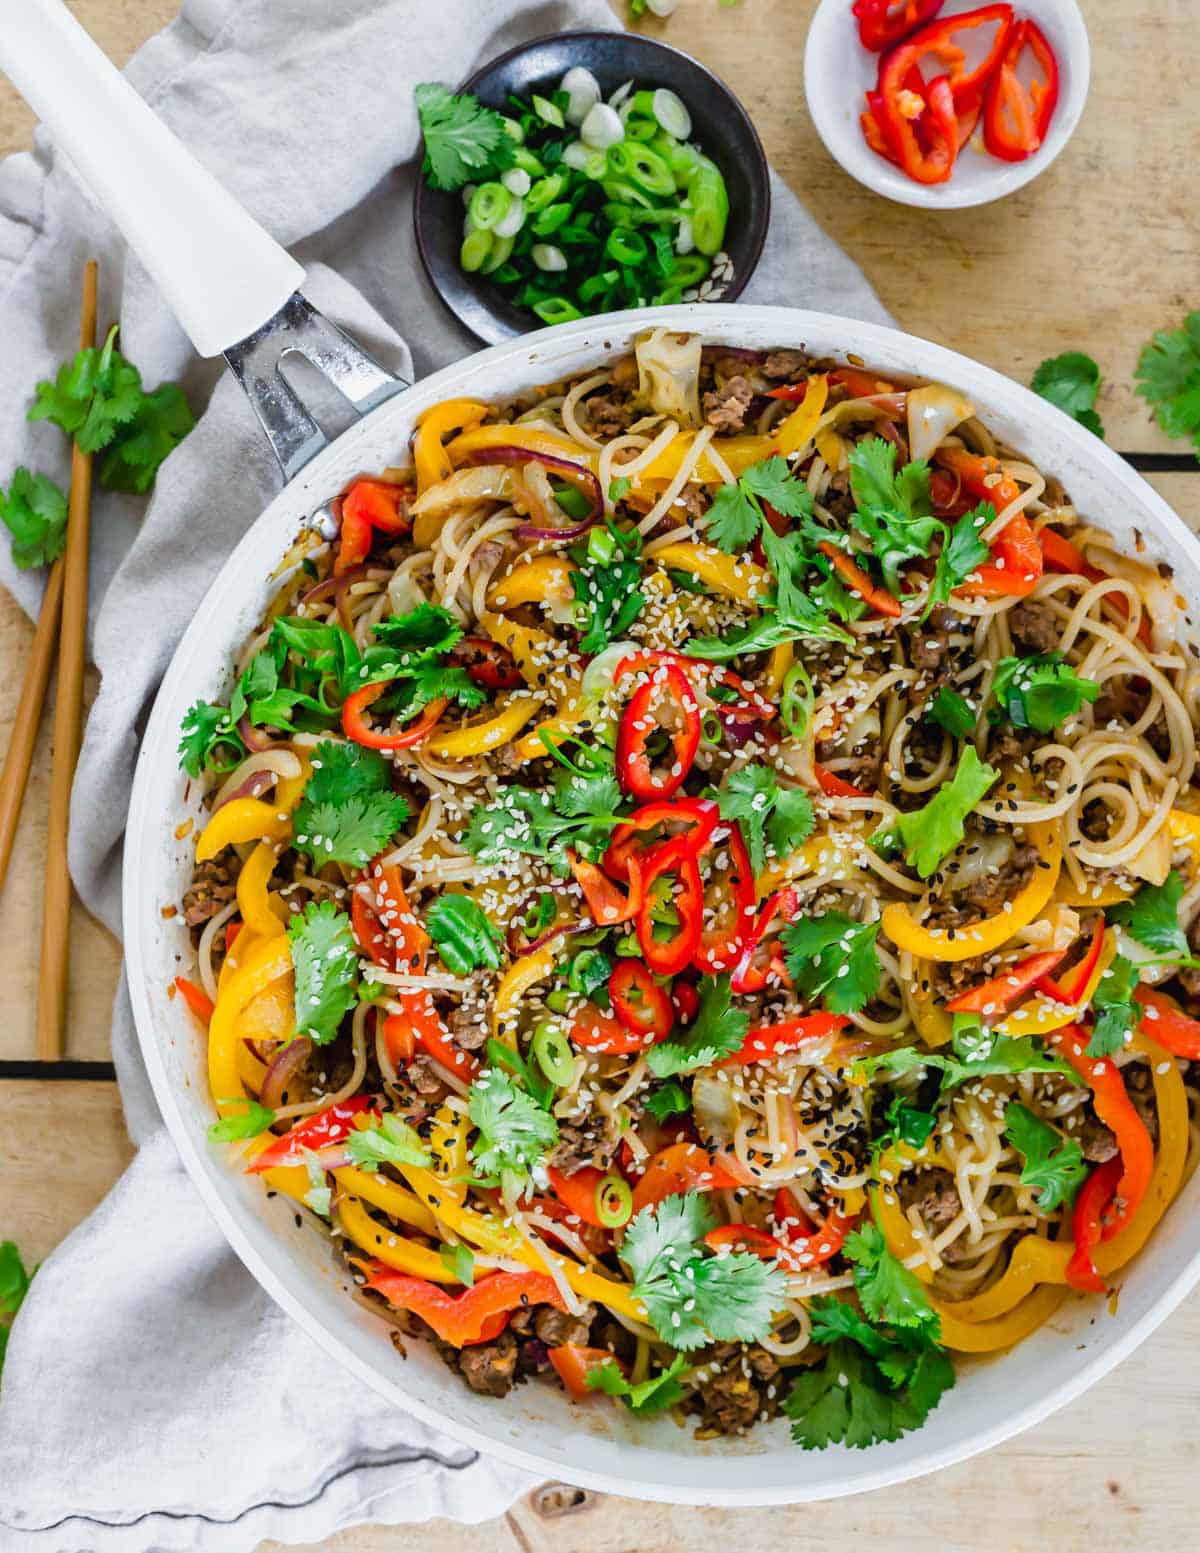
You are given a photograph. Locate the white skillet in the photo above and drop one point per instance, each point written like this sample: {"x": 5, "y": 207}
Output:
{"x": 226, "y": 280}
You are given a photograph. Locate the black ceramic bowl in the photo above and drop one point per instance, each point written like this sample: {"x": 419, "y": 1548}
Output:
{"x": 720, "y": 126}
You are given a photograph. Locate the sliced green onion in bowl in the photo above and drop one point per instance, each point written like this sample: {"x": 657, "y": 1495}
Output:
{"x": 583, "y": 93}
{"x": 512, "y": 220}
{"x": 516, "y": 180}
{"x": 476, "y": 247}
{"x": 614, "y": 1202}
{"x": 671, "y": 112}
{"x": 556, "y": 310}
{"x": 548, "y": 112}
{"x": 489, "y": 204}
{"x": 602, "y": 128}
{"x": 553, "y": 1053}
{"x": 548, "y": 258}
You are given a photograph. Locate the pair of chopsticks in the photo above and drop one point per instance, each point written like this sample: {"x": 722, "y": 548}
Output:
{"x": 62, "y": 623}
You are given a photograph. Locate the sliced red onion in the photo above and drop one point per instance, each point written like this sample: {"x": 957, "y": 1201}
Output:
{"x": 561, "y": 466}
{"x": 337, "y": 587}
{"x": 257, "y": 782}
{"x": 255, "y": 740}
{"x": 738, "y": 730}
{"x": 284, "y": 1066}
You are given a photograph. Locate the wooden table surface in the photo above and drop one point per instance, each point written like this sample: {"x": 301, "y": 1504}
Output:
{"x": 1096, "y": 254}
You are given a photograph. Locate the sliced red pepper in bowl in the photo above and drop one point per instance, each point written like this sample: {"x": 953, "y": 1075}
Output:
{"x": 752, "y": 973}
{"x": 933, "y": 161}
{"x": 884, "y": 22}
{"x": 697, "y": 816}
{"x": 369, "y": 505}
{"x": 942, "y": 40}
{"x": 1096, "y": 1197}
{"x": 328, "y": 1127}
{"x": 1016, "y": 116}
{"x": 356, "y": 727}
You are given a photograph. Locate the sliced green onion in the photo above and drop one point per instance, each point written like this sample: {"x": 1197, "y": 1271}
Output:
{"x": 614, "y": 1202}
{"x": 689, "y": 269}
{"x": 574, "y": 503}
{"x": 587, "y": 971}
{"x": 548, "y": 113}
{"x": 796, "y": 701}
{"x": 547, "y": 257}
{"x": 528, "y": 163}
{"x": 709, "y": 200}
{"x": 558, "y": 1001}
{"x": 626, "y": 948}
{"x": 625, "y": 193}
{"x": 626, "y": 247}
{"x": 553, "y": 1053}
{"x": 602, "y": 128}
{"x": 643, "y": 167}
{"x": 477, "y": 245}
{"x": 595, "y": 286}
{"x": 512, "y": 220}
{"x": 516, "y": 180}
{"x": 556, "y": 310}
{"x": 601, "y": 546}
{"x": 639, "y": 129}
{"x": 489, "y": 204}
{"x": 669, "y": 109}
{"x": 545, "y": 191}
{"x": 710, "y": 724}
{"x": 512, "y": 128}
{"x": 502, "y": 248}
{"x": 550, "y": 219}
{"x": 583, "y": 93}
{"x": 683, "y": 160}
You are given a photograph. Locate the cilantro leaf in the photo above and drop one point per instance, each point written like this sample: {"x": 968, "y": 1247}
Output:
{"x": 927, "y": 836}
{"x": 514, "y": 1132}
{"x": 347, "y": 813}
{"x": 994, "y": 1054}
{"x": 523, "y": 820}
{"x": 770, "y": 629}
{"x": 463, "y": 140}
{"x": 1168, "y": 378}
{"x": 248, "y": 1123}
{"x": 792, "y": 821}
{"x": 1053, "y": 1164}
{"x": 903, "y": 1354}
{"x": 893, "y": 509}
{"x": 733, "y": 519}
{"x": 207, "y": 728}
{"x": 752, "y": 796}
{"x": 1152, "y": 917}
{"x": 1071, "y": 381}
{"x": 888, "y": 1290}
{"x": 35, "y": 514}
{"x": 952, "y": 712}
{"x": 691, "y": 1297}
{"x": 389, "y": 1141}
{"x": 771, "y": 480}
{"x": 736, "y": 515}
{"x": 159, "y": 424}
{"x": 669, "y": 1099}
{"x": 717, "y": 1030}
{"x": 325, "y": 960}
{"x": 1117, "y": 1011}
{"x": 341, "y": 771}
{"x": 652, "y": 1395}
{"x": 465, "y": 936}
{"x": 1040, "y": 692}
{"x": 835, "y": 955}
{"x": 962, "y": 552}
{"x": 611, "y": 600}
{"x": 424, "y": 632}
{"x": 92, "y": 395}
{"x": 14, "y": 1286}
{"x": 849, "y": 1399}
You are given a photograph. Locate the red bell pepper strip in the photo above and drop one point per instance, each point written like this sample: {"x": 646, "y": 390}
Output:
{"x": 968, "y": 109}
{"x": 369, "y": 505}
{"x": 731, "y": 912}
{"x": 1168, "y": 1025}
{"x": 640, "y": 721}
{"x": 1016, "y": 117}
{"x": 322, "y": 1131}
{"x": 421, "y": 1022}
{"x": 1071, "y": 987}
{"x": 938, "y": 39}
{"x": 487, "y": 663}
{"x": 681, "y": 1167}
{"x": 752, "y": 974}
{"x": 766, "y": 1041}
{"x": 698, "y": 816}
{"x": 594, "y": 1031}
{"x": 876, "y": 598}
{"x": 578, "y": 1192}
{"x": 999, "y": 994}
{"x": 674, "y": 860}
{"x": 605, "y": 901}
{"x": 385, "y": 925}
{"x": 1115, "y": 1109}
{"x": 355, "y": 727}
{"x": 884, "y": 22}
{"x": 980, "y": 475}
{"x": 809, "y": 1246}
{"x": 573, "y": 1364}
{"x": 470, "y": 1317}
{"x": 638, "y": 1001}
{"x": 834, "y": 786}
{"x": 196, "y": 998}
{"x": 931, "y": 163}
{"x": 1016, "y": 568}
{"x": 1088, "y": 1225}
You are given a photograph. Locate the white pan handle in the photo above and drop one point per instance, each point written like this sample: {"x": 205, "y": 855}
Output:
{"x": 220, "y": 273}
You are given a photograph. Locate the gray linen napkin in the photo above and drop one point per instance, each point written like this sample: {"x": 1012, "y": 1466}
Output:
{"x": 153, "y": 1396}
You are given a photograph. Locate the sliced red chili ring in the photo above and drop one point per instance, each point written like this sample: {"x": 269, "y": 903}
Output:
{"x": 605, "y": 902}
{"x": 698, "y": 815}
{"x": 729, "y": 901}
{"x": 355, "y": 726}
{"x": 640, "y": 723}
{"x": 752, "y": 974}
{"x": 638, "y": 1001}
{"x": 669, "y": 954}
{"x": 488, "y": 663}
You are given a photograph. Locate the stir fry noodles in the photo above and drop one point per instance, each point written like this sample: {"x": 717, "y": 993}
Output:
{"x": 694, "y": 892}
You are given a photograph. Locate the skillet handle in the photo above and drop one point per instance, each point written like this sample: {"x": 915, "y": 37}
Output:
{"x": 222, "y": 275}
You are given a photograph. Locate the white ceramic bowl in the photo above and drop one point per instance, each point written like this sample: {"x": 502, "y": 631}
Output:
{"x": 537, "y": 1427}
{"x": 838, "y": 70}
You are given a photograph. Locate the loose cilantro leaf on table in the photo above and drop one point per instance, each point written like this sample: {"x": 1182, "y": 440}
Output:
{"x": 325, "y": 961}
{"x": 1168, "y": 379}
{"x": 1071, "y": 381}
{"x": 927, "y": 836}
{"x": 465, "y": 936}
{"x": 14, "y": 1286}
{"x": 833, "y": 955}
{"x": 389, "y": 1141}
{"x": 1054, "y": 1165}
{"x": 463, "y": 140}
{"x": 1152, "y": 917}
{"x": 252, "y": 1120}
{"x": 1117, "y": 1011}
{"x": 689, "y": 1295}
{"x": 717, "y": 1030}
{"x": 952, "y": 712}
{"x": 894, "y": 509}
{"x": 652, "y": 1395}
{"x": 669, "y": 1099}
{"x": 35, "y": 514}
{"x": 348, "y": 812}
{"x": 1040, "y": 692}
{"x": 159, "y": 424}
{"x": 515, "y": 1133}
{"x": 752, "y": 795}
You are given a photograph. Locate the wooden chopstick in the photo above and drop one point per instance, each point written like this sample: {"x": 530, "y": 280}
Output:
{"x": 15, "y": 775}
{"x": 68, "y": 709}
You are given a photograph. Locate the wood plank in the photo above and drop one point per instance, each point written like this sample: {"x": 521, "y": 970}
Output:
{"x": 62, "y": 1145}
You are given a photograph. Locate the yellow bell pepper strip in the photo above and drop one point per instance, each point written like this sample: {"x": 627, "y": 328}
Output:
{"x": 396, "y": 1201}
{"x": 780, "y": 661}
{"x": 253, "y": 900}
{"x": 541, "y": 578}
{"x": 1005, "y": 1331}
{"x": 479, "y": 738}
{"x": 251, "y": 1070}
{"x": 491, "y": 1235}
{"x": 516, "y": 982}
{"x": 1111, "y": 892}
{"x": 271, "y": 1015}
{"x": 732, "y": 575}
{"x": 739, "y": 452}
{"x": 430, "y": 457}
{"x": 532, "y": 650}
{"x": 241, "y": 819}
{"x": 267, "y": 961}
{"x": 573, "y": 711}
{"x": 934, "y": 1025}
{"x": 951, "y": 944}
{"x": 480, "y": 439}
{"x": 405, "y": 1256}
{"x": 798, "y": 428}
{"x": 817, "y": 855}
{"x": 289, "y": 790}
{"x": 1185, "y": 827}
{"x": 1043, "y": 1015}
{"x": 447, "y": 1140}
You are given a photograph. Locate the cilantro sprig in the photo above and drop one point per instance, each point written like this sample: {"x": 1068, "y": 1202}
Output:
{"x": 14, "y": 1286}
{"x": 752, "y": 795}
{"x": 1152, "y": 917}
{"x": 1052, "y": 1164}
{"x": 833, "y": 955}
{"x": 989, "y": 1055}
{"x": 690, "y": 1295}
{"x": 1118, "y": 1012}
{"x": 464, "y": 141}
{"x": 35, "y": 513}
{"x": 1168, "y": 379}
{"x": 1040, "y": 692}
{"x": 465, "y": 935}
{"x": 717, "y": 1030}
{"x": 387, "y": 1141}
{"x": 1072, "y": 382}
{"x": 325, "y": 962}
{"x": 652, "y": 1395}
{"x": 514, "y": 1131}
{"x": 348, "y": 812}
{"x": 952, "y": 712}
